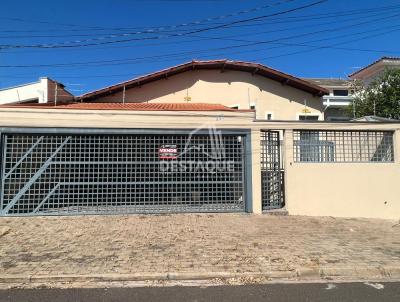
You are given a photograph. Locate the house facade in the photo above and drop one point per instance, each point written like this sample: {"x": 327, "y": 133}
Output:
{"x": 205, "y": 136}
{"x": 273, "y": 95}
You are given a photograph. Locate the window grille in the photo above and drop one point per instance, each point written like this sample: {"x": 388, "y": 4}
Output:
{"x": 342, "y": 146}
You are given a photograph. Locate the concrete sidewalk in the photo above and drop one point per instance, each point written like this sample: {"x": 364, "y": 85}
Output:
{"x": 196, "y": 246}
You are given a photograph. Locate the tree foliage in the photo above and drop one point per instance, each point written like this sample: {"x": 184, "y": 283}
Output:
{"x": 381, "y": 97}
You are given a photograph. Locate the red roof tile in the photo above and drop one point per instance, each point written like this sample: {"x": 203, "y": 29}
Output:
{"x": 129, "y": 106}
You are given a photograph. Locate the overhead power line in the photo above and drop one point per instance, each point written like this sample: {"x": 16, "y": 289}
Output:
{"x": 67, "y": 44}
{"x": 151, "y": 30}
{"x": 287, "y": 19}
{"x": 337, "y": 17}
{"x": 314, "y": 47}
{"x": 335, "y": 46}
{"x": 366, "y": 15}
{"x": 163, "y": 27}
{"x": 248, "y": 43}
{"x": 232, "y": 37}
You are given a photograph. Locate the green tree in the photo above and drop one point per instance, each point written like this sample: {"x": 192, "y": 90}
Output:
{"x": 381, "y": 97}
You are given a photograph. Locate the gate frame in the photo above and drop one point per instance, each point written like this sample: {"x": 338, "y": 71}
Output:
{"x": 246, "y": 159}
{"x": 282, "y": 167}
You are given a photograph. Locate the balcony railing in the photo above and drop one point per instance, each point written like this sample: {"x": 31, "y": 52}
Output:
{"x": 337, "y": 101}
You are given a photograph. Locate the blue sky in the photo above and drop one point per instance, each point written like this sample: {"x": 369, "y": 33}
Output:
{"x": 328, "y": 39}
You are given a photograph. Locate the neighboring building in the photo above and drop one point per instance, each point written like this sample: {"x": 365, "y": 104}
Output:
{"x": 241, "y": 85}
{"x": 43, "y": 91}
{"x": 340, "y": 90}
{"x": 372, "y": 71}
{"x": 339, "y": 98}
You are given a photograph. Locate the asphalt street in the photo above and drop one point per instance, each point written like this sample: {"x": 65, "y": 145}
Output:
{"x": 340, "y": 292}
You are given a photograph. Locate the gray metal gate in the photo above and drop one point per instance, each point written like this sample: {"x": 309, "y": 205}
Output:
{"x": 272, "y": 171}
{"x": 53, "y": 174}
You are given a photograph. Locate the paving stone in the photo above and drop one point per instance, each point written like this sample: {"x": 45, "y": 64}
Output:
{"x": 193, "y": 243}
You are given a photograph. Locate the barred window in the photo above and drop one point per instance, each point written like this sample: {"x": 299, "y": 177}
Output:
{"x": 342, "y": 146}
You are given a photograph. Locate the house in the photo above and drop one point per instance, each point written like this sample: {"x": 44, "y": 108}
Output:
{"x": 372, "y": 71}
{"x": 339, "y": 98}
{"x": 45, "y": 90}
{"x": 241, "y": 85}
{"x": 204, "y": 136}
{"x": 340, "y": 90}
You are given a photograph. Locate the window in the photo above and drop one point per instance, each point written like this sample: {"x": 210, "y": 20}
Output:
{"x": 308, "y": 117}
{"x": 269, "y": 115}
{"x": 340, "y": 92}
{"x": 235, "y": 107}
{"x": 253, "y": 107}
{"x": 342, "y": 146}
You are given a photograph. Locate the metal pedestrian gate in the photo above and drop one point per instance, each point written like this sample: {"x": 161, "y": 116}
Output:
{"x": 61, "y": 174}
{"x": 272, "y": 171}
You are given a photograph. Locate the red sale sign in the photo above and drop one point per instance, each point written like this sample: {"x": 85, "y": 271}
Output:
{"x": 168, "y": 152}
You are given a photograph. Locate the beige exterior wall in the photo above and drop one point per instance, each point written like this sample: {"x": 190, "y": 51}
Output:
{"x": 320, "y": 189}
{"x": 343, "y": 189}
{"x": 229, "y": 88}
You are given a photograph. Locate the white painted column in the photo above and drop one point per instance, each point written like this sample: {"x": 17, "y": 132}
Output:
{"x": 396, "y": 146}
{"x": 255, "y": 156}
{"x": 288, "y": 165}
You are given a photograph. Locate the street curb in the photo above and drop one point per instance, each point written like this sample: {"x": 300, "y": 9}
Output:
{"x": 302, "y": 274}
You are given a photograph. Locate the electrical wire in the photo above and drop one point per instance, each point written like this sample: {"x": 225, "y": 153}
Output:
{"x": 332, "y": 46}
{"x": 289, "y": 19}
{"x": 66, "y": 44}
{"x": 248, "y": 43}
{"x": 161, "y": 43}
{"x": 247, "y": 34}
{"x": 163, "y": 27}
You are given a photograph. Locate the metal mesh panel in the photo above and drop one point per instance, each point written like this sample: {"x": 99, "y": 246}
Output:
{"x": 272, "y": 172}
{"x": 343, "y": 146}
{"x": 67, "y": 174}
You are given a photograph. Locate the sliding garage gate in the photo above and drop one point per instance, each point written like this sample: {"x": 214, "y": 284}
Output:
{"x": 53, "y": 174}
